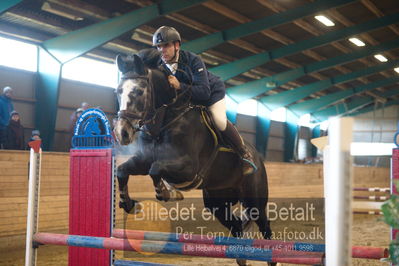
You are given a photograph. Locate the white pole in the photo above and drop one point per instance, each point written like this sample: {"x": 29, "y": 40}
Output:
{"x": 338, "y": 192}
{"x": 33, "y": 205}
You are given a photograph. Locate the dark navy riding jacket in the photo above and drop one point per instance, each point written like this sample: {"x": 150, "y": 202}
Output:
{"x": 192, "y": 74}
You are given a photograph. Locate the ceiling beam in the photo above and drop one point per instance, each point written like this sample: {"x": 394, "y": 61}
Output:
{"x": 349, "y": 107}
{"x": 253, "y": 88}
{"x": 58, "y": 28}
{"x": 83, "y": 9}
{"x": 287, "y": 97}
{"x": 373, "y": 108}
{"x": 76, "y": 43}
{"x": 370, "y": 5}
{"x": 314, "y": 105}
{"x": 7, "y": 4}
{"x": 233, "y": 69}
{"x": 214, "y": 55}
{"x": 273, "y": 5}
{"x": 377, "y": 97}
{"x": 268, "y": 33}
{"x": 342, "y": 108}
{"x": 204, "y": 43}
{"x": 367, "y": 37}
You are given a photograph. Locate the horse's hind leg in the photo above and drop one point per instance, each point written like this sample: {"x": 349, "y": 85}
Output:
{"x": 220, "y": 205}
{"x": 264, "y": 226}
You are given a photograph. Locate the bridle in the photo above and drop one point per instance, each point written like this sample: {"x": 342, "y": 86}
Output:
{"x": 150, "y": 112}
{"x": 129, "y": 115}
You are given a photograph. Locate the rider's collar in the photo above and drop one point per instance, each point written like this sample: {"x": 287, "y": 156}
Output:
{"x": 173, "y": 66}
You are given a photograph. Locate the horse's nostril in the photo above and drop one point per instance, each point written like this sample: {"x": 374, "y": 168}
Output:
{"x": 125, "y": 134}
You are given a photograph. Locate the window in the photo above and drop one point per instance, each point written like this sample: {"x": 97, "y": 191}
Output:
{"x": 324, "y": 125}
{"x": 371, "y": 149}
{"x": 230, "y": 103}
{"x": 17, "y": 54}
{"x": 248, "y": 107}
{"x": 91, "y": 71}
{"x": 279, "y": 114}
{"x": 304, "y": 121}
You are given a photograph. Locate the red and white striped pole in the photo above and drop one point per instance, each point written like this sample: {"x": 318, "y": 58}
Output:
{"x": 33, "y": 200}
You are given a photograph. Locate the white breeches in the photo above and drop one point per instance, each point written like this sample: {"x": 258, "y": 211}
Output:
{"x": 218, "y": 111}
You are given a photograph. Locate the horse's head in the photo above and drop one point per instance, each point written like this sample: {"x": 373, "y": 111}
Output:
{"x": 134, "y": 96}
{"x": 140, "y": 92}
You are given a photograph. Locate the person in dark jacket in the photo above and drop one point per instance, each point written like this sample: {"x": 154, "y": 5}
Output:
{"x": 15, "y": 133}
{"x": 6, "y": 107}
{"x": 188, "y": 71}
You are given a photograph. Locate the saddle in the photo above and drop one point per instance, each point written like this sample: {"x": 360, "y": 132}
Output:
{"x": 166, "y": 192}
{"x": 221, "y": 143}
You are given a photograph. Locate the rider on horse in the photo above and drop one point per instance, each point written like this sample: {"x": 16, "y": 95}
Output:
{"x": 188, "y": 71}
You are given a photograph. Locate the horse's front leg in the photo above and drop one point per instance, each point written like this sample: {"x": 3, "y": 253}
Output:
{"x": 133, "y": 166}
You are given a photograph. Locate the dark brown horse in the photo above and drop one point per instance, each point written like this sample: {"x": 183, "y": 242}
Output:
{"x": 173, "y": 143}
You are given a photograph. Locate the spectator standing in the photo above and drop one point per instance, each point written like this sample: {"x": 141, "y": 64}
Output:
{"x": 35, "y": 136}
{"x": 75, "y": 115}
{"x": 84, "y": 106}
{"x": 74, "y": 118}
{"x": 15, "y": 133}
{"x": 6, "y": 107}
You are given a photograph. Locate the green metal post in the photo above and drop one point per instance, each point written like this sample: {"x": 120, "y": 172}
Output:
{"x": 47, "y": 83}
{"x": 262, "y": 129}
{"x": 291, "y": 133}
{"x": 315, "y": 134}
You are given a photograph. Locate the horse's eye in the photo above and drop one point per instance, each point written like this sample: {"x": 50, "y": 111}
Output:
{"x": 137, "y": 93}
{"x": 142, "y": 84}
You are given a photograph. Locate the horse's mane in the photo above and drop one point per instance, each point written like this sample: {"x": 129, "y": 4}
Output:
{"x": 151, "y": 57}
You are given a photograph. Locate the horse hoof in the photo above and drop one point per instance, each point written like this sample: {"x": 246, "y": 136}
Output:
{"x": 169, "y": 195}
{"x": 130, "y": 207}
{"x": 241, "y": 262}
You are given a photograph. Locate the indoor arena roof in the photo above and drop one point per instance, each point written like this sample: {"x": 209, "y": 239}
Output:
{"x": 274, "y": 51}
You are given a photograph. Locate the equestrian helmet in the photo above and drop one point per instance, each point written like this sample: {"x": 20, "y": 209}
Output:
{"x": 164, "y": 35}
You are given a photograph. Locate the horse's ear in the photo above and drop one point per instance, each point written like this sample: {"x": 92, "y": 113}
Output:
{"x": 139, "y": 67}
{"x": 121, "y": 63}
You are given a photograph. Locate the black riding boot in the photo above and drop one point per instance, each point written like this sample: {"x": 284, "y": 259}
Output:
{"x": 232, "y": 136}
